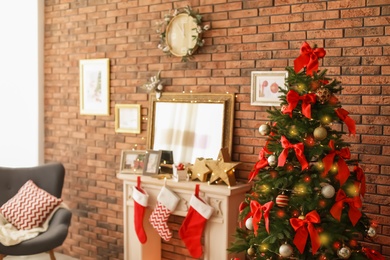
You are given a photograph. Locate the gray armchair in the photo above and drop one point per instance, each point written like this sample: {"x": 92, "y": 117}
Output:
{"x": 49, "y": 177}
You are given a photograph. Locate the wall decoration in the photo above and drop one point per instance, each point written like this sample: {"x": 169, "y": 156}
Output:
{"x": 265, "y": 87}
{"x": 152, "y": 162}
{"x": 154, "y": 84}
{"x": 94, "y": 87}
{"x": 133, "y": 161}
{"x": 128, "y": 118}
{"x": 181, "y": 33}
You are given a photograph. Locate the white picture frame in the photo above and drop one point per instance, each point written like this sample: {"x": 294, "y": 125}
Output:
{"x": 265, "y": 87}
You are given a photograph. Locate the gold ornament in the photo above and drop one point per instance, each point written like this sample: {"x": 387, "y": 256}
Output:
{"x": 223, "y": 168}
{"x": 200, "y": 170}
{"x": 251, "y": 251}
{"x": 320, "y": 133}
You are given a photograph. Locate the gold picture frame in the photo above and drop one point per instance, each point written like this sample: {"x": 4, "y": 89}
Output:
{"x": 132, "y": 161}
{"x": 94, "y": 87}
{"x": 265, "y": 87}
{"x": 128, "y": 118}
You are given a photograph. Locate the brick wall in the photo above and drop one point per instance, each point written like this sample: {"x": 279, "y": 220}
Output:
{"x": 245, "y": 36}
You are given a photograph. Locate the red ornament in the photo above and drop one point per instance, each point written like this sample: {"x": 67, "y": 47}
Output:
{"x": 282, "y": 200}
{"x": 273, "y": 174}
{"x": 333, "y": 100}
{"x": 310, "y": 141}
{"x": 289, "y": 167}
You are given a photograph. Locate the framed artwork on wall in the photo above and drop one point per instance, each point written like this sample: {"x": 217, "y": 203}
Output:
{"x": 128, "y": 118}
{"x": 265, "y": 87}
{"x": 133, "y": 161}
{"x": 152, "y": 162}
{"x": 94, "y": 87}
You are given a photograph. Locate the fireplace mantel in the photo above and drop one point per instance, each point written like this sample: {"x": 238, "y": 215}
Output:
{"x": 219, "y": 230}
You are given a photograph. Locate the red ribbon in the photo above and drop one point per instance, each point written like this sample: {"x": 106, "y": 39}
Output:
{"x": 257, "y": 212}
{"x": 343, "y": 115}
{"x": 372, "y": 254}
{"x": 343, "y": 171}
{"x": 298, "y": 148}
{"x": 304, "y": 228}
{"x": 354, "y": 204}
{"x": 241, "y": 208}
{"x": 293, "y": 98}
{"x": 360, "y": 176}
{"x": 260, "y": 164}
{"x": 308, "y": 58}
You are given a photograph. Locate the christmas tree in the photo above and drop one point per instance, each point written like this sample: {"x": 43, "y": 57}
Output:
{"x": 307, "y": 193}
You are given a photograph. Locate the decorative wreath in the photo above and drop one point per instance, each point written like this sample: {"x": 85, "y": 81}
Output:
{"x": 167, "y": 18}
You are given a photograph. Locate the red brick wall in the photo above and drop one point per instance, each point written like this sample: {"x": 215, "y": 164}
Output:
{"x": 245, "y": 36}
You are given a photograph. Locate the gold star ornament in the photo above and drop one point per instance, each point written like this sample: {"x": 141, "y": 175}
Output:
{"x": 200, "y": 170}
{"x": 223, "y": 168}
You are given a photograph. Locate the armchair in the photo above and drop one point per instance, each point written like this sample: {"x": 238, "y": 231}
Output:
{"x": 49, "y": 177}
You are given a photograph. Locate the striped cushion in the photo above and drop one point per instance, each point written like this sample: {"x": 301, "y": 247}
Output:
{"x": 30, "y": 207}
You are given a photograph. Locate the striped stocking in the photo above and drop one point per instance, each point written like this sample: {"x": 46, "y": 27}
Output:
{"x": 166, "y": 203}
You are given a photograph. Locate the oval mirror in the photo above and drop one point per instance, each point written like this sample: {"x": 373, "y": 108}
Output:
{"x": 191, "y": 125}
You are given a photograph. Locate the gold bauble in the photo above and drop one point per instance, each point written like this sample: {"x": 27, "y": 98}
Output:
{"x": 320, "y": 133}
{"x": 251, "y": 251}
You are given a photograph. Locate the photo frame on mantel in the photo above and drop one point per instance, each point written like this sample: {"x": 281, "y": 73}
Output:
{"x": 94, "y": 87}
{"x": 133, "y": 161}
{"x": 265, "y": 87}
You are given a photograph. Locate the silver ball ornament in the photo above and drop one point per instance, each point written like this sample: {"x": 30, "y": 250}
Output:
{"x": 249, "y": 223}
{"x": 264, "y": 129}
{"x": 285, "y": 250}
{"x": 272, "y": 160}
{"x": 371, "y": 232}
{"x": 328, "y": 191}
{"x": 344, "y": 252}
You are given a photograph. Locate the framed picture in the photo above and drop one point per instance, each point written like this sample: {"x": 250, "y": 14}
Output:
{"x": 152, "y": 162}
{"x": 133, "y": 161}
{"x": 128, "y": 118}
{"x": 265, "y": 87}
{"x": 94, "y": 87}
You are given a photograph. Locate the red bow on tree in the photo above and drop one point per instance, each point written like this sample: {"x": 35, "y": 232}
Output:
{"x": 354, "y": 204}
{"x": 343, "y": 171}
{"x": 257, "y": 212}
{"x": 293, "y": 98}
{"x": 372, "y": 254}
{"x": 298, "y": 148}
{"x": 304, "y": 228}
{"x": 343, "y": 115}
{"x": 241, "y": 208}
{"x": 360, "y": 176}
{"x": 260, "y": 164}
{"x": 308, "y": 58}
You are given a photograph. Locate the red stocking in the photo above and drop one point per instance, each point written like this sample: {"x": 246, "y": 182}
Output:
{"x": 193, "y": 225}
{"x": 140, "y": 203}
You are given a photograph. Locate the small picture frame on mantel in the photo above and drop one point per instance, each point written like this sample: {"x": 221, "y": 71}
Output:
{"x": 152, "y": 162}
{"x": 133, "y": 161}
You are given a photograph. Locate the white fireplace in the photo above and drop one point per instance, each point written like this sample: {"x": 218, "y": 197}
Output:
{"x": 219, "y": 230}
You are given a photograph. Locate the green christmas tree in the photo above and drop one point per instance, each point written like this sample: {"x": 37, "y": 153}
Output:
{"x": 307, "y": 193}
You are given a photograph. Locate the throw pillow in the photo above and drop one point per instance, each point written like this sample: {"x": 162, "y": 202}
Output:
{"x": 30, "y": 207}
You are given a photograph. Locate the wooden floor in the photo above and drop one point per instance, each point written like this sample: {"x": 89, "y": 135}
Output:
{"x": 40, "y": 257}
